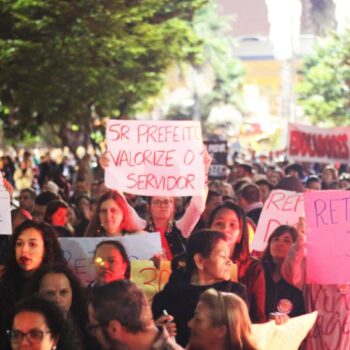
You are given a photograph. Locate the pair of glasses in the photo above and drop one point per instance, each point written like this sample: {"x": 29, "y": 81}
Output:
{"x": 34, "y": 336}
{"x": 102, "y": 262}
{"x": 162, "y": 203}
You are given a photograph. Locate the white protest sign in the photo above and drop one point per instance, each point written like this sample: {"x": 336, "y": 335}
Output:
{"x": 287, "y": 336}
{"x": 281, "y": 208}
{"x": 79, "y": 251}
{"x": 5, "y": 210}
{"x": 147, "y": 158}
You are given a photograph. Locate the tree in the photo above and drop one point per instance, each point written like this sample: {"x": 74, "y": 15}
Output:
{"x": 217, "y": 62}
{"x": 325, "y": 77}
{"x": 66, "y": 63}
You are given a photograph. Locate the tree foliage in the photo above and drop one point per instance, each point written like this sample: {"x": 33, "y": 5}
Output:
{"x": 324, "y": 89}
{"x": 66, "y": 62}
{"x": 217, "y": 61}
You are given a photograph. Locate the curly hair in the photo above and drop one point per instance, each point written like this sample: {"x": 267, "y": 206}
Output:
{"x": 53, "y": 251}
{"x": 78, "y": 309}
{"x": 53, "y": 317}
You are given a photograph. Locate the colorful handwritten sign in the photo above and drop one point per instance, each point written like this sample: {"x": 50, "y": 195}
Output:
{"x": 150, "y": 279}
{"x": 281, "y": 208}
{"x": 287, "y": 336}
{"x": 312, "y": 144}
{"x": 328, "y": 237}
{"x": 163, "y": 158}
{"x": 79, "y": 251}
{"x": 218, "y": 153}
{"x": 5, "y": 210}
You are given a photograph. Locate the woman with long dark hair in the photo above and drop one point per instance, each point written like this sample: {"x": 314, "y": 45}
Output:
{"x": 280, "y": 295}
{"x": 230, "y": 219}
{"x": 32, "y": 244}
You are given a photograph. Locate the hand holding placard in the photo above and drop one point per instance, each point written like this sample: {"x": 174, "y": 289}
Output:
{"x": 163, "y": 158}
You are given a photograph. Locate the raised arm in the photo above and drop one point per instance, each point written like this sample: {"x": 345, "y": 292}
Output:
{"x": 293, "y": 268}
{"x": 196, "y": 207}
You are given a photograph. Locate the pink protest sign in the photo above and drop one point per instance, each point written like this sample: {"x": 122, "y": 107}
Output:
{"x": 281, "y": 208}
{"x": 163, "y": 158}
{"x": 328, "y": 237}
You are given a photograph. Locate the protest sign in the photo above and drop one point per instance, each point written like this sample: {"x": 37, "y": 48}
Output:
{"x": 218, "y": 152}
{"x": 5, "y": 210}
{"x": 281, "y": 208}
{"x": 313, "y": 144}
{"x": 287, "y": 336}
{"x": 150, "y": 279}
{"x": 328, "y": 236}
{"x": 163, "y": 158}
{"x": 79, "y": 251}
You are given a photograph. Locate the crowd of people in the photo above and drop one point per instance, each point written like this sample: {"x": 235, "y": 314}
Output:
{"x": 218, "y": 286}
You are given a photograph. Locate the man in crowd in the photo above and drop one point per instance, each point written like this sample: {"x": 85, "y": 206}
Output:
{"x": 27, "y": 199}
{"x": 121, "y": 318}
{"x": 249, "y": 200}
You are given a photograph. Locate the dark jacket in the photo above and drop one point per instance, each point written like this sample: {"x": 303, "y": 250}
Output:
{"x": 282, "y": 296}
{"x": 179, "y": 298}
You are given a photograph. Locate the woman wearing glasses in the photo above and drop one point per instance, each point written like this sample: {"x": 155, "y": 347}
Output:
{"x": 221, "y": 322}
{"x": 38, "y": 324}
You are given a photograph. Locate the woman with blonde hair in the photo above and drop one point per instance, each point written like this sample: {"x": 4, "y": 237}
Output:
{"x": 221, "y": 322}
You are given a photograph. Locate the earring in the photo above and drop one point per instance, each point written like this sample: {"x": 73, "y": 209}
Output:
{"x": 54, "y": 347}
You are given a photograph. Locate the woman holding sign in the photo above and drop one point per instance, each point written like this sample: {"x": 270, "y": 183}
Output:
{"x": 230, "y": 219}
{"x": 161, "y": 216}
{"x": 332, "y": 302}
{"x": 280, "y": 295}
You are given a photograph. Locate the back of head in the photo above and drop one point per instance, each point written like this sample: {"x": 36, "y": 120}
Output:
{"x": 290, "y": 183}
{"x": 231, "y": 311}
{"x": 122, "y": 301}
{"x": 44, "y": 198}
{"x": 250, "y": 193}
